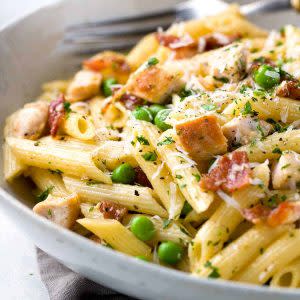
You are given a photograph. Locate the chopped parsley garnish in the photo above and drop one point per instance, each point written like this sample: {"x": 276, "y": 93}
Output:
{"x": 37, "y": 143}
{"x": 185, "y": 93}
{"x": 142, "y": 140}
{"x": 150, "y": 156}
{"x": 247, "y": 110}
{"x": 49, "y": 212}
{"x": 277, "y": 126}
{"x": 214, "y": 270}
{"x": 67, "y": 108}
{"x": 167, "y": 141}
{"x": 166, "y": 223}
{"x": 44, "y": 195}
{"x": 152, "y": 61}
{"x": 197, "y": 177}
{"x": 243, "y": 88}
{"x": 275, "y": 200}
{"x": 221, "y": 79}
{"x": 259, "y": 128}
{"x": 277, "y": 150}
{"x": 209, "y": 107}
{"x": 285, "y": 166}
{"x": 56, "y": 171}
{"x": 178, "y": 177}
{"x": 91, "y": 208}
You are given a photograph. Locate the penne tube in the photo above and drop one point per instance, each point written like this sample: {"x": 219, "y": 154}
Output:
{"x": 271, "y": 146}
{"x": 288, "y": 276}
{"x": 112, "y": 154}
{"x": 211, "y": 237}
{"x": 182, "y": 167}
{"x": 13, "y": 167}
{"x": 157, "y": 173}
{"x": 117, "y": 236}
{"x": 135, "y": 198}
{"x": 46, "y": 178}
{"x": 280, "y": 253}
{"x": 166, "y": 230}
{"x": 279, "y": 109}
{"x": 67, "y": 161}
{"x": 79, "y": 127}
{"x": 242, "y": 251}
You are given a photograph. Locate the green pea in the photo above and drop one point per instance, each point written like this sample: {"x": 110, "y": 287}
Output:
{"x": 143, "y": 228}
{"x": 142, "y": 257}
{"x": 160, "y": 118}
{"x": 186, "y": 209}
{"x": 106, "y": 86}
{"x": 155, "y": 109}
{"x": 123, "y": 174}
{"x": 267, "y": 76}
{"x": 142, "y": 113}
{"x": 170, "y": 252}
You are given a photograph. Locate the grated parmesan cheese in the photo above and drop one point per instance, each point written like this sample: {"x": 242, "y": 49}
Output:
{"x": 173, "y": 204}
{"x": 158, "y": 171}
{"x": 230, "y": 201}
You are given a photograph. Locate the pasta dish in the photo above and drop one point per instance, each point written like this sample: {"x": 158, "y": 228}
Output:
{"x": 185, "y": 152}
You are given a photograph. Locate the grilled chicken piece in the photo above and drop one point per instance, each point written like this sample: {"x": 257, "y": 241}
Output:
{"x": 286, "y": 173}
{"x": 153, "y": 83}
{"x": 63, "y": 211}
{"x": 242, "y": 130}
{"x": 228, "y": 64}
{"x": 85, "y": 85}
{"x": 30, "y": 122}
{"x": 202, "y": 137}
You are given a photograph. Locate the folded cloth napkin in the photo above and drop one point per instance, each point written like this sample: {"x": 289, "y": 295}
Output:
{"x": 64, "y": 284}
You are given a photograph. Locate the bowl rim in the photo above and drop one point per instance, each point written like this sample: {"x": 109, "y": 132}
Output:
{"x": 138, "y": 265}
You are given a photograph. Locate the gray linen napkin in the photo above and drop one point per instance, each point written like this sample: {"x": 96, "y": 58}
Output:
{"x": 64, "y": 284}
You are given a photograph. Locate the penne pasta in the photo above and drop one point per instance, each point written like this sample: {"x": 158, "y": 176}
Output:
{"x": 117, "y": 236}
{"x": 275, "y": 257}
{"x": 211, "y": 237}
{"x": 288, "y": 276}
{"x": 273, "y": 145}
{"x": 79, "y": 127}
{"x": 72, "y": 162}
{"x": 157, "y": 173}
{"x": 243, "y": 251}
{"x": 135, "y": 198}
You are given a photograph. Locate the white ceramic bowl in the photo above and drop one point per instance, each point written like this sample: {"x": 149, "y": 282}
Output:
{"x": 29, "y": 57}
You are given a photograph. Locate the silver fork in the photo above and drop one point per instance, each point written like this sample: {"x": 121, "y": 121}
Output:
{"x": 123, "y": 33}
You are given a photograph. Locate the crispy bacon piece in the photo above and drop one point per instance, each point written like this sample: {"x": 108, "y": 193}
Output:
{"x": 141, "y": 178}
{"x": 98, "y": 63}
{"x": 112, "y": 210}
{"x": 257, "y": 214}
{"x": 186, "y": 46}
{"x": 216, "y": 40}
{"x": 183, "y": 47}
{"x": 230, "y": 174}
{"x": 289, "y": 88}
{"x": 56, "y": 114}
{"x": 131, "y": 102}
{"x": 285, "y": 213}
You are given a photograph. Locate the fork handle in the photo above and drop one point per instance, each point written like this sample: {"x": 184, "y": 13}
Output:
{"x": 264, "y": 6}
